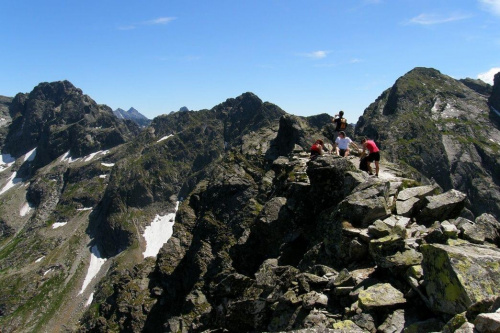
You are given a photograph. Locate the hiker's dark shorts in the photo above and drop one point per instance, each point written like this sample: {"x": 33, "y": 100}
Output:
{"x": 342, "y": 152}
{"x": 374, "y": 157}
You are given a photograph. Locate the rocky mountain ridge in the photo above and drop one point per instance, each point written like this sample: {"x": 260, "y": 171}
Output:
{"x": 264, "y": 239}
{"x": 442, "y": 128}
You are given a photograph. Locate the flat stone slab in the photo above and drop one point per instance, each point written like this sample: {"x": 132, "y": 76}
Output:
{"x": 381, "y": 295}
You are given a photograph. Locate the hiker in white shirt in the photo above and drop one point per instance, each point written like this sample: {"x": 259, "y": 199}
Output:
{"x": 342, "y": 144}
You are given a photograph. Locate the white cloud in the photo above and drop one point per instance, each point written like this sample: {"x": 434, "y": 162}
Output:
{"x": 488, "y": 76}
{"x": 156, "y": 21}
{"x": 492, "y": 6}
{"x": 431, "y": 19}
{"x": 317, "y": 54}
{"x": 160, "y": 20}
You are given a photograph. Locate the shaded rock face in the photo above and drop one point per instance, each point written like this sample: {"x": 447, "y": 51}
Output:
{"x": 494, "y": 99}
{"x": 5, "y": 118}
{"x": 442, "y": 128}
{"x": 56, "y": 117}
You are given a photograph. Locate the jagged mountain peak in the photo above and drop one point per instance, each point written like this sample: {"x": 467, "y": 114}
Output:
{"x": 57, "y": 117}
{"x": 132, "y": 114}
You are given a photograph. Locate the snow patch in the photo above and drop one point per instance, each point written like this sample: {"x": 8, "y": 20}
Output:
{"x": 102, "y": 176}
{"x": 47, "y": 272}
{"x": 84, "y": 208}
{"x": 165, "y": 138}
{"x": 11, "y": 182}
{"x": 6, "y": 161}
{"x": 89, "y": 301}
{"x": 91, "y": 156}
{"x": 109, "y": 165}
{"x": 25, "y": 209}
{"x": 39, "y": 259}
{"x": 158, "y": 233}
{"x": 30, "y": 156}
{"x": 58, "y": 224}
{"x": 67, "y": 158}
{"x": 96, "y": 263}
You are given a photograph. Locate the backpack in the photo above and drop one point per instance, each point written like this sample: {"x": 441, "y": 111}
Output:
{"x": 343, "y": 123}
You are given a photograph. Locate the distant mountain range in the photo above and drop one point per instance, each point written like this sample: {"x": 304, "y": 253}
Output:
{"x": 132, "y": 114}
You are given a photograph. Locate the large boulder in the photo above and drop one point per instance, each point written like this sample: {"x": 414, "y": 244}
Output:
{"x": 458, "y": 276}
{"x": 442, "y": 207}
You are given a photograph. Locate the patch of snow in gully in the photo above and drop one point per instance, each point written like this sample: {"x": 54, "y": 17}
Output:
{"x": 67, "y": 158}
{"x": 30, "y": 156}
{"x": 158, "y": 233}
{"x": 89, "y": 301}
{"x": 58, "y": 224}
{"x": 25, "y": 209}
{"x": 91, "y": 156}
{"x": 6, "y": 161}
{"x": 11, "y": 183}
{"x": 39, "y": 259}
{"x": 165, "y": 138}
{"x": 96, "y": 263}
{"x": 109, "y": 165}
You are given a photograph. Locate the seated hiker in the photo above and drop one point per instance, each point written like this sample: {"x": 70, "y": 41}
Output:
{"x": 317, "y": 148}
{"x": 342, "y": 143}
{"x": 373, "y": 156}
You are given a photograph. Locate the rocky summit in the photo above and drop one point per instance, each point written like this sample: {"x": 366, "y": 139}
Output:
{"x": 219, "y": 221}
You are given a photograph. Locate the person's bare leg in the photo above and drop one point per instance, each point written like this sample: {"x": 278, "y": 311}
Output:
{"x": 346, "y": 153}
{"x": 376, "y": 168}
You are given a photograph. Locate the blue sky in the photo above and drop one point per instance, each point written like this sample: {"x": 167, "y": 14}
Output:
{"x": 308, "y": 57}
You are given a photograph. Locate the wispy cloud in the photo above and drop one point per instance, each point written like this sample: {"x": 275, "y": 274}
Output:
{"x": 160, "y": 20}
{"x": 492, "y": 6}
{"x": 316, "y": 54}
{"x": 431, "y": 19}
{"x": 488, "y": 76}
{"x": 156, "y": 21}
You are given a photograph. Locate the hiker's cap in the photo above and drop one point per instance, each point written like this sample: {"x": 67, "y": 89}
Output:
{"x": 341, "y": 113}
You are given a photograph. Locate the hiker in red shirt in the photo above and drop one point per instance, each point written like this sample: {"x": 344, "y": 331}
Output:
{"x": 373, "y": 156}
{"x": 317, "y": 149}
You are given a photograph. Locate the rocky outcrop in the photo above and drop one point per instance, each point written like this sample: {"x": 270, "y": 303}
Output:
{"x": 494, "y": 99}
{"x": 5, "y": 118}
{"x": 442, "y": 128}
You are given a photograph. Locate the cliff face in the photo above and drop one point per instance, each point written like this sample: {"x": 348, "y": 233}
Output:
{"x": 442, "y": 128}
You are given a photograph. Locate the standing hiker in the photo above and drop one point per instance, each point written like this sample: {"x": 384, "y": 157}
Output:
{"x": 373, "y": 156}
{"x": 340, "y": 123}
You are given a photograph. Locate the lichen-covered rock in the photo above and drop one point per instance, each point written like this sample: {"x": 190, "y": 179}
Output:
{"x": 380, "y": 295}
{"x": 451, "y": 275}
